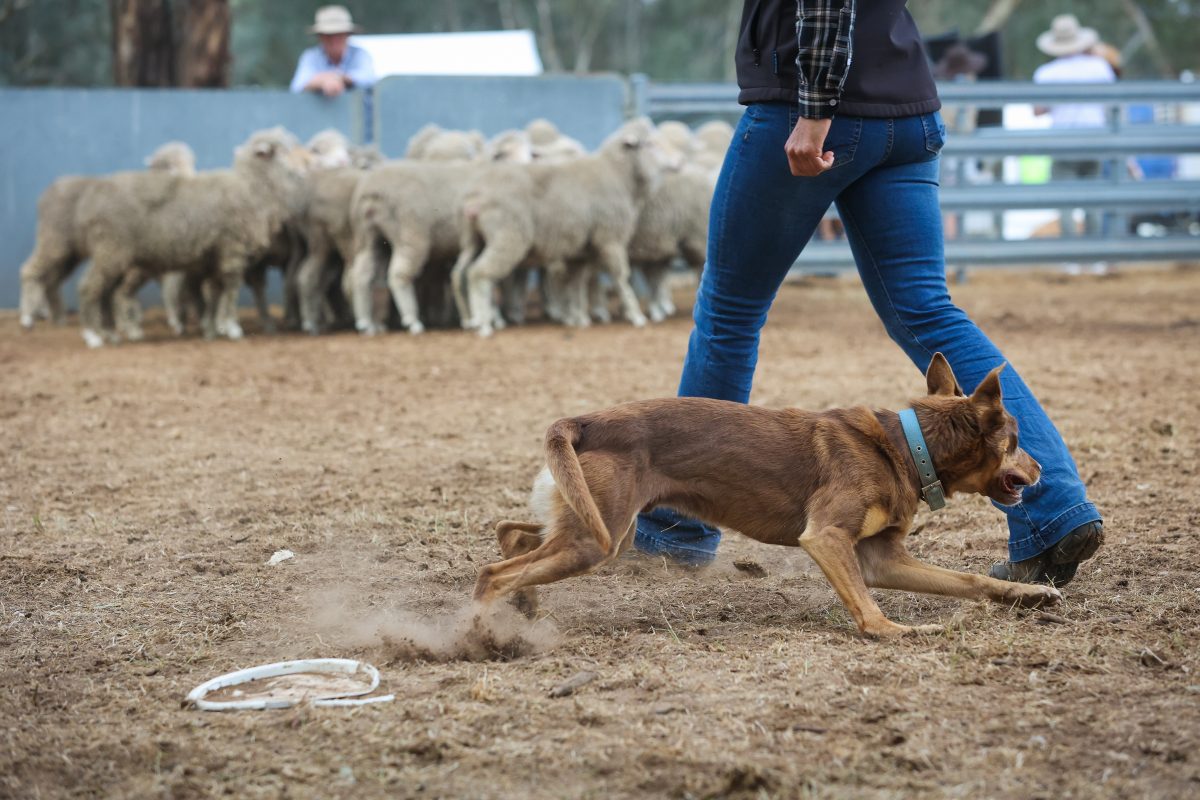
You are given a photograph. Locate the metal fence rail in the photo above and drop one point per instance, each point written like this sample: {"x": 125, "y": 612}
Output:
{"x": 1114, "y": 144}
{"x": 1097, "y": 144}
{"x": 827, "y": 256}
{"x": 1140, "y": 195}
{"x": 663, "y": 100}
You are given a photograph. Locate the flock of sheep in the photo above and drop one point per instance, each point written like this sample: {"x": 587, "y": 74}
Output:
{"x": 453, "y": 230}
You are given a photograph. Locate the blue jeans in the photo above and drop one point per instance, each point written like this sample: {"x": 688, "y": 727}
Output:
{"x": 884, "y": 180}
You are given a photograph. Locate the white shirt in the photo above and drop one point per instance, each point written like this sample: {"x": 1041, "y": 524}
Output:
{"x": 1082, "y": 68}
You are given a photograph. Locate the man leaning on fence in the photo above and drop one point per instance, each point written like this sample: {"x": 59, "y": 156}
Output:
{"x": 334, "y": 65}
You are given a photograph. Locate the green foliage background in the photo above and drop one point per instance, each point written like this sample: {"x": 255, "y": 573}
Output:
{"x": 66, "y": 42}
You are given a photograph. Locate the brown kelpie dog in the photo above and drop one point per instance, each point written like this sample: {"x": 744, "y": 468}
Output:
{"x": 843, "y": 484}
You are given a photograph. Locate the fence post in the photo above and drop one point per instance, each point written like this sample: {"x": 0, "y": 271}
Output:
{"x": 639, "y": 84}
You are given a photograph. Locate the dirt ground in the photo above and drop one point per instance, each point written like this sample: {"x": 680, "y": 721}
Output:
{"x": 144, "y": 487}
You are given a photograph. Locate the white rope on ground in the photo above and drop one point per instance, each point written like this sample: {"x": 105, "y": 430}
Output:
{"x": 334, "y": 666}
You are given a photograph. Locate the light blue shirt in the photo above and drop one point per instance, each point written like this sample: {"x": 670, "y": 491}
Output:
{"x": 356, "y": 65}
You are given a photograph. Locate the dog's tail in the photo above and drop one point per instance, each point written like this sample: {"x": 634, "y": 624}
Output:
{"x": 564, "y": 465}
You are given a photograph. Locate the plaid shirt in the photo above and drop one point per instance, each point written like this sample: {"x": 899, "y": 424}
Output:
{"x": 824, "y": 31}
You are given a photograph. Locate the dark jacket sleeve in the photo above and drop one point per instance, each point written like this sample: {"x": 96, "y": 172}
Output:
{"x": 824, "y": 33}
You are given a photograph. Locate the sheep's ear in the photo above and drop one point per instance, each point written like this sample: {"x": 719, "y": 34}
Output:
{"x": 264, "y": 148}
{"x": 939, "y": 378}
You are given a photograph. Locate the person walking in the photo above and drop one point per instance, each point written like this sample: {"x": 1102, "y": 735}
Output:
{"x": 1070, "y": 46}
{"x": 841, "y": 107}
{"x": 334, "y": 65}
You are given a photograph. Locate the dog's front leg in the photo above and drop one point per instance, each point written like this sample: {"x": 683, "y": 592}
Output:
{"x": 832, "y": 547}
{"x": 887, "y": 564}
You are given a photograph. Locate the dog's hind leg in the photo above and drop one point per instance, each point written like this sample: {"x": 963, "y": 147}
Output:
{"x": 570, "y": 550}
{"x": 887, "y": 564}
{"x": 517, "y": 539}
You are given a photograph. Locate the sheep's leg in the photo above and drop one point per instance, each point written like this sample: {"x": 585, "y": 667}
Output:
{"x": 232, "y": 272}
{"x": 92, "y": 289}
{"x": 127, "y": 310}
{"x": 665, "y": 301}
{"x": 597, "y": 297}
{"x": 362, "y": 275}
{"x": 335, "y": 308}
{"x": 554, "y": 286}
{"x": 34, "y": 300}
{"x": 311, "y": 285}
{"x": 575, "y": 295}
{"x": 172, "y": 288}
{"x": 408, "y": 259}
{"x": 514, "y": 296}
{"x": 256, "y": 279}
{"x": 192, "y": 298}
{"x": 41, "y": 275}
{"x": 55, "y": 309}
{"x": 656, "y": 281}
{"x": 458, "y": 283}
{"x": 494, "y": 264}
{"x": 210, "y": 291}
{"x": 616, "y": 262}
{"x": 291, "y": 289}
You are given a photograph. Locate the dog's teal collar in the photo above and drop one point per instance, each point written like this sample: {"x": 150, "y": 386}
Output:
{"x": 931, "y": 487}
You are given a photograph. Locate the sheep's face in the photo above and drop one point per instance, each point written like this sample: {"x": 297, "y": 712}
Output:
{"x": 175, "y": 158}
{"x": 275, "y": 151}
{"x": 453, "y": 146}
{"x": 329, "y": 150}
{"x": 366, "y": 157}
{"x": 511, "y": 147}
{"x": 637, "y": 141}
{"x": 676, "y": 136}
{"x": 542, "y": 132}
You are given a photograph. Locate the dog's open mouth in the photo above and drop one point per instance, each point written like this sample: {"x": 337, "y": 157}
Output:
{"x": 1011, "y": 486}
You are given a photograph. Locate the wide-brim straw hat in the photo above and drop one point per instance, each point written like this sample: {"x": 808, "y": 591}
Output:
{"x": 1066, "y": 37}
{"x": 333, "y": 19}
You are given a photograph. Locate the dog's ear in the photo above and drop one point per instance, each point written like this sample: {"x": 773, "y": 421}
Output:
{"x": 940, "y": 378}
{"x": 988, "y": 399}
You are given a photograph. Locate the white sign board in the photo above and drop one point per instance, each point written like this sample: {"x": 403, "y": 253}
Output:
{"x": 470, "y": 53}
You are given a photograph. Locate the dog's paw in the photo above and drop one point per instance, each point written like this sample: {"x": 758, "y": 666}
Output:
{"x": 1032, "y": 595}
{"x": 1041, "y": 596}
{"x": 926, "y": 630}
{"x": 887, "y": 629}
{"x": 526, "y": 602}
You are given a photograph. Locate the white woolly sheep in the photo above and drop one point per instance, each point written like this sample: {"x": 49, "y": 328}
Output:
{"x": 216, "y": 223}
{"x": 432, "y": 143}
{"x": 59, "y": 248}
{"x": 556, "y": 213}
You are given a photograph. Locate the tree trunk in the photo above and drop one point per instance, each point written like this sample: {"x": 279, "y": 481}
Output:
{"x": 204, "y": 44}
{"x": 1138, "y": 15}
{"x": 997, "y": 15}
{"x": 548, "y": 39}
{"x": 142, "y": 46}
{"x": 586, "y": 37}
{"x": 508, "y": 15}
